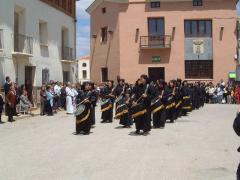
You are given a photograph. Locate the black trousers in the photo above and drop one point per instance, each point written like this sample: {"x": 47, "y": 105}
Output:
{"x": 10, "y": 112}
{"x": 1, "y": 113}
{"x": 238, "y": 172}
{"x": 143, "y": 122}
{"x": 108, "y": 115}
{"x": 93, "y": 120}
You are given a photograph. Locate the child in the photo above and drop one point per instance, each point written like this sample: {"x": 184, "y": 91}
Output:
{"x": 1, "y": 107}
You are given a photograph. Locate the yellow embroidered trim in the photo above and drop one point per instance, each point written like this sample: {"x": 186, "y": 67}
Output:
{"x": 187, "y": 107}
{"x": 139, "y": 113}
{"x": 158, "y": 109}
{"x": 107, "y": 108}
{"x": 186, "y": 97}
{"x": 171, "y": 105}
{"x": 83, "y": 119}
{"x": 178, "y": 104}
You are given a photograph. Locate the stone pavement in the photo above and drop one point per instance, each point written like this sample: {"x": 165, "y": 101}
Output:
{"x": 201, "y": 146}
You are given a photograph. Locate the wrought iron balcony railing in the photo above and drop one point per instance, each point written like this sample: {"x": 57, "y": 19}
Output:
{"x": 23, "y": 44}
{"x": 155, "y": 42}
{"x": 68, "y": 54}
{"x": 1, "y": 39}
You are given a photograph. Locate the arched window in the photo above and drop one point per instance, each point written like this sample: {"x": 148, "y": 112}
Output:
{"x": 84, "y": 65}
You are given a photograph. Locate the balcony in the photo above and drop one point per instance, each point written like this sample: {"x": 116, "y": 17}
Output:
{"x": 1, "y": 40}
{"x": 68, "y": 55}
{"x": 23, "y": 45}
{"x": 155, "y": 42}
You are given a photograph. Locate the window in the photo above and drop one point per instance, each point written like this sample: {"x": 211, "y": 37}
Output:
{"x": 84, "y": 65}
{"x": 198, "y": 28}
{"x": 155, "y": 4}
{"x": 104, "y": 10}
{"x": 156, "y": 26}
{"x": 104, "y": 34}
{"x": 197, "y": 2}
{"x": 45, "y": 76}
{"x": 199, "y": 69}
{"x": 104, "y": 74}
{"x": 84, "y": 74}
{"x": 43, "y": 33}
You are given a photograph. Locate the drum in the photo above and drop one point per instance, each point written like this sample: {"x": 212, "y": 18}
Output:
{"x": 80, "y": 109}
{"x": 170, "y": 102}
{"x": 106, "y": 105}
{"x": 156, "y": 105}
{"x": 119, "y": 99}
{"x": 121, "y": 110}
{"x": 138, "y": 110}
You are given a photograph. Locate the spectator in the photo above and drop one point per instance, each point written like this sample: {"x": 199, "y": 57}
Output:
{"x": 57, "y": 93}
{"x": 11, "y": 103}
{"x": 49, "y": 103}
{"x": 1, "y": 108}
{"x": 25, "y": 104}
{"x": 43, "y": 100}
{"x": 63, "y": 97}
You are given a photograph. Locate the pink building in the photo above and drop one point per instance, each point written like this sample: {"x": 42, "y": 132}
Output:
{"x": 166, "y": 39}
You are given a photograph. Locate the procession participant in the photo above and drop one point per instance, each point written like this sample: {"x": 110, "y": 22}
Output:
{"x": 158, "y": 109}
{"x": 107, "y": 106}
{"x": 122, "y": 111}
{"x": 169, "y": 101}
{"x": 142, "y": 97}
{"x": 84, "y": 117}
{"x": 119, "y": 88}
{"x": 93, "y": 99}
{"x": 186, "y": 105}
{"x": 178, "y": 99}
{"x": 7, "y": 86}
{"x": 11, "y": 103}
{"x": 69, "y": 99}
{"x": 74, "y": 99}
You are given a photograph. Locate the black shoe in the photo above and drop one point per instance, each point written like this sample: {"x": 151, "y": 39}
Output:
{"x": 103, "y": 121}
{"x": 137, "y": 132}
{"x": 86, "y": 133}
{"x": 146, "y": 133}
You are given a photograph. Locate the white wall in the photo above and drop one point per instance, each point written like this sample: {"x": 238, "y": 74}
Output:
{"x": 81, "y": 68}
{"x": 35, "y": 11}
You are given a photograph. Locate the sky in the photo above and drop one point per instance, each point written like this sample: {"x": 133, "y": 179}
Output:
{"x": 83, "y": 27}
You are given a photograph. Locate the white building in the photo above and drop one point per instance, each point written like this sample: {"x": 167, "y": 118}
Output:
{"x": 37, "y": 41}
{"x": 84, "y": 69}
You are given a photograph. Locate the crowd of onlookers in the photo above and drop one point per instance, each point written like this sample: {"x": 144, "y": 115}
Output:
{"x": 222, "y": 93}
{"x": 57, "y": 96}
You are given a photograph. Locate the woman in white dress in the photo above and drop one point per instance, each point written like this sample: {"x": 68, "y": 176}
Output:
{"x": 75, "y": 93}
{"x": 69, "y": 99}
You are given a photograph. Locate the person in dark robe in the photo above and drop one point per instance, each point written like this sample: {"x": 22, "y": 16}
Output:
{"x": 6, "y": 90}
{"x": 178, "y": 99}
{"x": 169, "y": 101}
{"x": 143, "y": 94}
{"x": 186, "y": 98}
{"x": 125, "y": 118}
{"x": 63, "y": 96}
{"x": 159, "y": 114}
{"x": 1, "y": 107}
{"x": 236, "y": 127}
{"x": 93, "y": 99}
{"x": 84, "y": 119}
{"x": 107, "y": 95}
{"x": 11, "y": 103}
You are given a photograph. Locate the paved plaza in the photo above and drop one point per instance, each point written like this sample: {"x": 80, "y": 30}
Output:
{"x": 201, "y": 146}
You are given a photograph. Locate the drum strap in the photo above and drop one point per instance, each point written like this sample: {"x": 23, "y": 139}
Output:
{"x": 84, "y": 118}
{"x": 158, "y": 109}
{"x": 107, "y": 108}
{"x": 140, "y": 113}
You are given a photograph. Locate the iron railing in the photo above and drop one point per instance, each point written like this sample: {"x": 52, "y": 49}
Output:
{"x": 1, "y": 39}
{"x": 155, "y": 41}
{"x": 68, "y": 53}
{"x": 23, "y": 44}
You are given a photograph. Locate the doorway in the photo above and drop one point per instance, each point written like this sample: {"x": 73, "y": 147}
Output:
{"x": 156, "y": 73}
{"x": 104, "y": 74}
{"x": 29, "y": 74}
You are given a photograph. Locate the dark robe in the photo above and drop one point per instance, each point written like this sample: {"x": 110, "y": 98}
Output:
{"x": 169, "y": 103}
{"x": 107, "y": 116}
